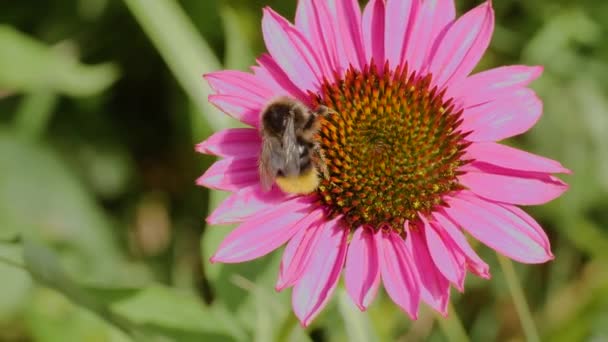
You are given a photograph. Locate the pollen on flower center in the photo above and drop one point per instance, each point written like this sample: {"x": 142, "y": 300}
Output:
{"x": 392, "y": 146}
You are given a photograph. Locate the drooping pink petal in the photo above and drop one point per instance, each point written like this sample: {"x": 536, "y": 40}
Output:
{"x": 298, "y": 252}
{"x": 463, "y": 261}
{"x": 362, "y": 270}
{"x": 240, "y": 108}
{"x": 231, "y": 174}
{"x": 434, "y": 287}
{"x": 463, "y": 45}
{"x": 499, "y": 228}
{"x": 347, "y": 15}
{"x": 246, "y": 203}
{"x": 291, "y": 51}
{"x": 238, "y": 83}
{"x": 518, "y": 214}
{"x": 313, "y": 20}
{"x": 511, "y": 186}
{"x": 453, "y": 237}
{"x": 232, "y": 142}
{"x": 512, "y": 158}
{"x": 265, "y": 232}
{"x": 400, "y": 16}
{"x": 398, "y": 272}
{"x": 445, "y": 258}
{"x": 373, "y": 32}
{"x": 492, "y": 84}
{"x": 432, "y": 18}
{"x": 504, "y": 117}
{"x": 277, "y": 79}
{"x": 320, "y": 277}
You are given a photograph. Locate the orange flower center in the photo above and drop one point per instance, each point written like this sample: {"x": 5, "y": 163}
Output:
{"x": 392, "y": 147}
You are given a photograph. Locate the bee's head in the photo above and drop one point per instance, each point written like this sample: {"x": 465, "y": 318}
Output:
{"x": 275, "y": 116}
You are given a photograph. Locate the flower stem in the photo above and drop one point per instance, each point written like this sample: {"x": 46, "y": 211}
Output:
{"x": 452, "y": 326}
{"x": 519, "y": 299}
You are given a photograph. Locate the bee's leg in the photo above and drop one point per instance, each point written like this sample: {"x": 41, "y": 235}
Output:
{"x": 324, "y": 111}
{"x": 319, "y": 158}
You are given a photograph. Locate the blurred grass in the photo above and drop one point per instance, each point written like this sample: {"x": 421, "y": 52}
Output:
{"x": 100, "y": 104}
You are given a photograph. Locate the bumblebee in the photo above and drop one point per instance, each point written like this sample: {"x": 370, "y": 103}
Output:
{"x": 290, "y": 154}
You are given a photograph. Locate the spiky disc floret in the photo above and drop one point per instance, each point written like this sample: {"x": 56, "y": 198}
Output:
{"x": 392, "y": 148}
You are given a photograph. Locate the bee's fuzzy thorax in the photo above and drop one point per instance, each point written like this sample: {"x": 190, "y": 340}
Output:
{"x": 304, "y": 183}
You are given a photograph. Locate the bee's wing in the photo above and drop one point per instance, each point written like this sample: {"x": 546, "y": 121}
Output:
{"x": 290, "y": 148}
{"x": 267, "y": 165}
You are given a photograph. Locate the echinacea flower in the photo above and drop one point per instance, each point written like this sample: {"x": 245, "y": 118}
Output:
{"x": 411, "y": 150}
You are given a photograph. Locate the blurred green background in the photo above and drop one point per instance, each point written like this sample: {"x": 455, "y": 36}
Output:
{"x": 102, "y": 233}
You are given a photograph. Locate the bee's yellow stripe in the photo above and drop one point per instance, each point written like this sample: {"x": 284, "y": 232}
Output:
{"x": 305, "y": 183}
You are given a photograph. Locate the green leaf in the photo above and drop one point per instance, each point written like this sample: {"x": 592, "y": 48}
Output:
{"x": 16, "y": 282}
{"x": 41, "y": 198}
{"x": 155, "y": 310}
{"x": 159, "y": 307}
{"x": 28, "y": 65}
{"x": 9, "y": 233}
{"x": 35, "y": 112}
{"x": 44, "y": 267}
{"x": 109, "y": 295}
{"x": 50, "y": 317}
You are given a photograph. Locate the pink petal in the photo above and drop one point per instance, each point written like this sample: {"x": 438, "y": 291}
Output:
{"x": 238, "y": 83}
{"x": 400, "y": 16}
{"x": 463, "y": 45}
{"x": 320, "y": 278}
{"x": 398, "y": 272}
{"x": 313, "y": 19}
{"x": 444, "y": 19}
{"x": 246, "y": 203}
{"x": 434, "y": 287}
{"x": 373, "y": 32}
{"x": 265, "y": 232}
{"x": 444, "y": 256}
{"x": 230, "y": 174}
{"x": 492, "y": 84}
{"x": 298, "y": 252}
{"x": 512, "y": 158}
{"x": 350, "y": 41}
{"x": 504, "y": 117}
{"x": 232, "y": 142}
{"x": 302, "y": 236}
{"x": 243, "y": 109}
{"x": 275, "y": 77}
{"x": 454, "y": 238}
{"x": 518, "y": 214}
{"x": 511, "y": 186}
{"x": 500, "y": 229}
{"x": 291, "y": 51}
{"x": 362, "y": 270}
{"x": 432, "y": 18}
